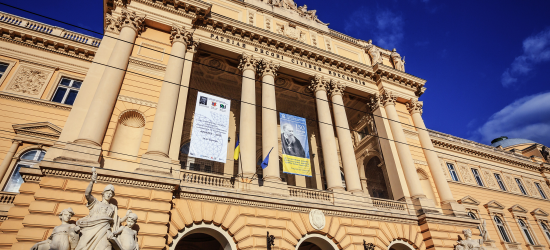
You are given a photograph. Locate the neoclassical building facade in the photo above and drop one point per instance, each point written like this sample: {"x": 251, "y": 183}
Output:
{"x": 121, "y": 110}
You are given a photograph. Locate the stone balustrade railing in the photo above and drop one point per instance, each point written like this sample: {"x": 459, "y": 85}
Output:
{"x": 7, "y": 197}
{"x": 389, "y": 204}
{"x": 193, "y": 177}
{"x": 48, "y": 29}
{"x": 313, "y": 194}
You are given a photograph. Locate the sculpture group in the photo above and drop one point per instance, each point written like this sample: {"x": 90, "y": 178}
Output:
{"x": 301, "y": 10}
{"x": 469, "y": 243}
{"x": 101, "y": 229}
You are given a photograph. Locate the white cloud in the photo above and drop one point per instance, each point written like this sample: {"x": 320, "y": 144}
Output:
{"x": 528, "y": 118}
{"x": 536, "y": 49}
{"x": 385, "y": 26}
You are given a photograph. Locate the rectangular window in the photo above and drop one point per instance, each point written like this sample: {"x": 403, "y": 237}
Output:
{"x": 3, "y": 68}
{"x": 195, "y": 167}
{"x": 66, "y": 91}
{"x": 542, "y": 194}
{"x": 520, "y": 185}
{"x": 477, "y": 177}
{"x": 500, "y": 182}
{"x": 452, "y": 171}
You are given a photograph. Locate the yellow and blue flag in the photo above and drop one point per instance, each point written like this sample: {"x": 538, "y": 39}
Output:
{"x": 237, "y": 150}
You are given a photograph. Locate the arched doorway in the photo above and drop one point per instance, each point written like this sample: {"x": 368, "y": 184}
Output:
{"x": 376, "y": 180}
{"x": 316, "y": 242}
{"x": 204, "y": 236}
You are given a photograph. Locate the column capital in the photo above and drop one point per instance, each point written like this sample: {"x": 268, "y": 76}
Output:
{"x": 374, "y": 102}
{"x": 112, "y": 24}
{"x": 132, "y": 20}
{"x": 181, "y": 34}
{"x": 318, "y": 83}
{"x": 193, "y": 46}
{"x": 387, "y": 98}
{"x": 248, "y": 62}
{"x": 414, "y": 106}
{"x": 337, "y": 88}
{"x": 15, "y": 141}
{"x": 266, "y": 68}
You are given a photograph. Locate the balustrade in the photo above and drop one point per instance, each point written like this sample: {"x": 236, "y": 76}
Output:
{"x": 206, "y": 179}
{"x": 389, "y": 204}
{"x": 7, "y": 197}
{"x": 313, "y": 194}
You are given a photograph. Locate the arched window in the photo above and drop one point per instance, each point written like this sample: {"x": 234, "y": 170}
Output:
{"x": 26, "y": 160}
{"x": 472, "y": 215}
{"x": 376, "y": 179}
{"x": 501, "y": 228}
{"x": 525, "y": 230}
{"x": 545, "y": 229}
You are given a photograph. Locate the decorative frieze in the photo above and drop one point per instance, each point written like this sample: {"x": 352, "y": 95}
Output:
{"x": 137, "y": 101}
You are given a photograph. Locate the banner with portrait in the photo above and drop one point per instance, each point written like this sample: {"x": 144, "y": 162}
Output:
{"x": 210, "y": 128}
{"x": 295, "y": 145}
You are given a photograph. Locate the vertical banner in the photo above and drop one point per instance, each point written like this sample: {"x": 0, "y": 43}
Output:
{"x": 210, "y": 128}
{"x": 295, "y": 145}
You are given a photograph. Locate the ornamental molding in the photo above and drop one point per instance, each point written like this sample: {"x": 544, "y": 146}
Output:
{"x": 41, "y": 129}
{"x": 35, "y": 101}
{"x": 270, "y": 205}
{"x": 137, "y": 101}
{"x": 317, "y": 219}
{"x": 140, "y": 62}
{"x": 76, "y": 68}
{"x": 468, "y": 147}
{"x": 29, "y": 80}
{"x": 420, "y": 162}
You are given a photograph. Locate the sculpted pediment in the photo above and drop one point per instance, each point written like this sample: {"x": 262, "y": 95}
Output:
{"x": 469, "y": 200}
{"x": 518, "y": 208}
{"x": 494, "y": 205}
{"x": 45, "y": 129}
{"x": 290, "y": 9}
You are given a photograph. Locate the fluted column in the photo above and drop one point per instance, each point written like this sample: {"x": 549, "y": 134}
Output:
{"x": 7, "y": 159}
{"x": 415, "y": 108}
{"x": 388, "y": 99}
{"x": 351, "y": 173}
{"x": 100, "y": 110}
{"x": 247, "y": 122}
{"x": 268, "y": 71}
{"x": 332, "y": 167}
{"x": 161, "y": 134}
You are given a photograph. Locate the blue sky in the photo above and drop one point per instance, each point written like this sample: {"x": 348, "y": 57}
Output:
{"x": 484, "y": 61}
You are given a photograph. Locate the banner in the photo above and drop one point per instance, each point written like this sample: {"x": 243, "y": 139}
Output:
{"x": 295, "y": 145}
{"x": 210, "y": 128}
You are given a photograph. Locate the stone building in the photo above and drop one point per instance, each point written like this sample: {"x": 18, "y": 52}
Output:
{"x": 124, "y": 105}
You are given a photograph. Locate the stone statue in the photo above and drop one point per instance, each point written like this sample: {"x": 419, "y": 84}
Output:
{"x": 397, "y": 61}
{"x": 97, "y": 227}
{"x": 125, "y": 238}
{"x": 469, "y": 243}
{"x": 374, "y": 53}
{"x": 64, "y": 236}
{"x": 483, "y": 230}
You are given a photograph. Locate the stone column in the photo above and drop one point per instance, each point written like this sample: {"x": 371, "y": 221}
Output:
{"x": 270, "y": 139}
{"x": 332, "y": 167}
{"x": 448, "y": 203}
{"x": 247, "y": 122}
{"x": 7, "y": 159}
{"x": 351, "y": 173}
{"x": 388, "y": 99}
{"x": 159, "y": 144}
{"x": 102, "y": 105}
{"x": 175, "y": 143}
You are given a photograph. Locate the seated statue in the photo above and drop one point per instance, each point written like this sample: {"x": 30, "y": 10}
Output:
{"x": 125, "y": 238}
{"x": 469, "y": 243}
{"x": 64, "y": 236}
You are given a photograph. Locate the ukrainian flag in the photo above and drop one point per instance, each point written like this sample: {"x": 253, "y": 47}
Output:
{"x": 237, "y": 149}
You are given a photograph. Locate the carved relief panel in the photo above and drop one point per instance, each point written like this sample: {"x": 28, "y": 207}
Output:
{"x": 466, "y": 173}
{"x": 511, "y": 183}
{"x": 489, "y": 178}
{"x": 30, "y": 80}
{"x": 531, "y": 187}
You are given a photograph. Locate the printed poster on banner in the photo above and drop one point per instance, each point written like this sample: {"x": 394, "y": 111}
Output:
{"x": 295, "y": 145}
{"x": 210, "y": 128}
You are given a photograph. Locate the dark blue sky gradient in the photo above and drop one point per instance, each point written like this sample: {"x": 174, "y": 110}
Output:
{"x": 462, "y": 49}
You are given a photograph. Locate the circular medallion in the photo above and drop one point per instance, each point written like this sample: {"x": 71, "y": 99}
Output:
{"x": 317, "y": 219}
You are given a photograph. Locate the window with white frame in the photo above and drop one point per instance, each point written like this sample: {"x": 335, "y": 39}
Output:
{"x": 520, "y": 185}
{"x": 545, "y": 229}
{"x": 26, "y": 160}
{"x": 526, "y": 232}
{"x": 501, "y": 228}
{"x": 542, "y": 194}
{"x": 66, "y": 91}
{"x": 477, "y": 177}
{"x": 500, "y": 182}
{"x": 452, "y": 171}
{"x": 3, "y": 68}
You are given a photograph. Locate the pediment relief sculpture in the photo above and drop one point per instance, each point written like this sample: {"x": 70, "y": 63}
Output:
{"x": 301, "y": 10}
{"x": 291, "y": 32}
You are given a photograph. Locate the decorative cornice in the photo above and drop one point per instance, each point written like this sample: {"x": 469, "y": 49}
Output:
{"x": 318, "y": 83}
{"x": 337, "y": 88}
{"x": 46, "y": 46}
{"x": 268, "y": 68}
{"x": 34, "y": 101}
{"x": 248, "y": 62}
{"x": 468, "y": 147}
{"x": 137, "y": 101}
